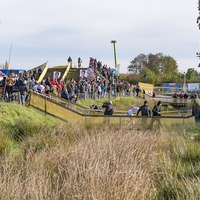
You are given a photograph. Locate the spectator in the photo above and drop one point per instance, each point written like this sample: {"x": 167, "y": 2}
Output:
{"x": 59, "y": 85}
{"x": 137, "y": 90}
{"x": 47, "y": 90}
{"x": 31, "y": 83}
{"x": 47, "y": 82}
{"x": 64, "y": 94}
{"x": 181, "y": 95}
{"x": 53, "y": 81}
{"x": 39, "y": 72}
{"x": 157, "y": 112}
{"x": 34, "y": 73}
{"x": 73, "y": 99}
{"x": 174, "y": 95}
{"x": 185, "y": 96}
{"x": 10, "y": 82}
{"x": 23, "y": 91}
{"x": 69, "y": 60}
{"x": 145, "y": 110}
{"x": 79, "y": 62}
{"x": 109, "y": 108}
{"x": 196, "y": 109}
{"x": 39, "y": 88}
{"x": 94, "y": 107}
{"x": 157, "y": 109}
{"x": 43, "y": 83}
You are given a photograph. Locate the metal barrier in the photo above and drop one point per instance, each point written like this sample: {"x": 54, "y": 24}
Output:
{"x": 168, "y": 100}
{"x": 68, "y": 111}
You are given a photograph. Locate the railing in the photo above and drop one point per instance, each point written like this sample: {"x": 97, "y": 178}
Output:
{"x": 67, "y": 111}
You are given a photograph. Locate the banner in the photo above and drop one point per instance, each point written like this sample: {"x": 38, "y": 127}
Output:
{"x": 83, "y": 74}
{"x": 193, "y": 87}
{"x": 146, "y": 86}
{"x": 172, "y": 87}
{"x": 56, "y": 75}
{"x": 90, "y": 72}
{"x": 6, "y": 72}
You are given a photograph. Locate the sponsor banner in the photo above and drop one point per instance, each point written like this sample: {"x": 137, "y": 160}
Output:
{"x": 193, "y": 87}
{"x": 90, "y": 72}
{"x": 145, "y": 86}
{"x": 172, "y": 87}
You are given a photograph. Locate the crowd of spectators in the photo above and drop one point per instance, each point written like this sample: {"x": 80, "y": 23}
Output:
{"x": 184, "y": 96}
{"x": 105, "y": 81}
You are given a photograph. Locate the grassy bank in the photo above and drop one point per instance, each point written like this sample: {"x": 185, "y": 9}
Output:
{"x": 43, "y": 158}
{"x": 119, "y": 103}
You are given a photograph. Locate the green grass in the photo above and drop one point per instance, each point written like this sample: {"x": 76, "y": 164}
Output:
{"x": 18, "y": 122}
{"x": 119, "y": 103}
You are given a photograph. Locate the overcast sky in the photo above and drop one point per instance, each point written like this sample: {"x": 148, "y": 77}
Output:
{"x": 51, "y": 30}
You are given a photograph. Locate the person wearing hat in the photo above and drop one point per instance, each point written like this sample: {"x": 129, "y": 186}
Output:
{"x": 144, "y": 110}
{"x": 157, "y": 112}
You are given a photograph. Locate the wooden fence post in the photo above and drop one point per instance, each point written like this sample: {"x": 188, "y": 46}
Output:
{"x": 19, "y": 98}
{"x": 45, "y": 105}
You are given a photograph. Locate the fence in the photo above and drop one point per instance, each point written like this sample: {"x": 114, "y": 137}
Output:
{"x": 68, "y": 111}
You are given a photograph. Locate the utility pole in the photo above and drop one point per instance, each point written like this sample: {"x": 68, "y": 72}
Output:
{"x": 114, "y": 42}
{"x": 10, "y": 56}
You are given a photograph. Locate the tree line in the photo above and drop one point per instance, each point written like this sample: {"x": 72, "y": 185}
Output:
{"x": 158, "y": 69}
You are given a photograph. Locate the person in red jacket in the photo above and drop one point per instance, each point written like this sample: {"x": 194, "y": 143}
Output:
{"x": 181, "y": 95}
{"x": 59, "y": 85}
{"x": 53, "y": 81}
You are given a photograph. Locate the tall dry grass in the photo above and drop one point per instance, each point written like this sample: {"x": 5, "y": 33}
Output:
{"x": 74, "y": 163}
{"x": 78, "y": 161}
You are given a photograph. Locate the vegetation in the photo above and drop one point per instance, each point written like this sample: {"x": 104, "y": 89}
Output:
{"x": 43, "y": 158}
{"x": 157, "y": 69}
{"x": 4, "y": 66}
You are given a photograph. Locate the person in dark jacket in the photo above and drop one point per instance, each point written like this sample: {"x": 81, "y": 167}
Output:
{"x": 47, "y": 82}
{"x": 185, "y": 96}
{"x": 95, "y": 107}
{"x": 109, "y": 108}
{"x": 137, "y": 90}
{"x": 156, "y": 112}
{"x": 196, "y": 109}
{"x": 64, "y": 94}
{"x": 157, "y": 109}
{"x": 145, "y": 109}
{"x": 73, "y": 99}
{"x": 23, "y": 91}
